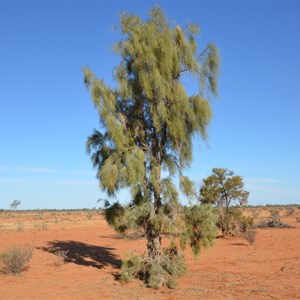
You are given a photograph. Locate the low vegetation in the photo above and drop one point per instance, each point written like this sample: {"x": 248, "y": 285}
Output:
{"x": 89, "y": 215}
{"x": 61, "y": 257}
{"x": 159, "y": 271}
{"x": 15, "y": 259}
{"x": 234, "y": 223}
{"x": 40, "y": 226}
{"x": 250, "y": 235}
{"x": 290, "y": 211}
{"x": 272, "y": 222}
{"x": 19, "y": 227}
{"x": 198, "y": 229}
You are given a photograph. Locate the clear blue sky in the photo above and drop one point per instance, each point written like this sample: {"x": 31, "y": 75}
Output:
{"x": 46, "y": 113}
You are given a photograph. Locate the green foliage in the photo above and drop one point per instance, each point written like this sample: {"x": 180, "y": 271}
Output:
{"x": 148, "y": 123}
{"x": 15, "y": 259}
{"x": 115, "y": 217}
{"x": 149, "y": 119}
{"x": 200, "y": 227}
{"x": 122, "y": 218}
{"x": 156, "y": 271}
{"x": 223, "y": 189}
{"x": 131, "y": 268}
{"x": 187, "y": 187}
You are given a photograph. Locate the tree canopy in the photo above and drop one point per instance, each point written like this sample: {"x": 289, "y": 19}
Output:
{"x": 14, "y": 205}
{"x": 223, "y": 188}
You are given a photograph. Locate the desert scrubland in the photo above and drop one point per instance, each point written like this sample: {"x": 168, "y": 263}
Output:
{"x": 231, "y": 269}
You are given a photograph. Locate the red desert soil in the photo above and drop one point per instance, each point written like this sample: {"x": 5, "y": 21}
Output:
{"x": 232, "y": 269}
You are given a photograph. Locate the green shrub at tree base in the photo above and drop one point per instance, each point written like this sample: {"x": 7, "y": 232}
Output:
{"x": 158, "y": 271}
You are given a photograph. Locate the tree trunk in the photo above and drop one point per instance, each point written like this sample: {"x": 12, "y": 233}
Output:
{"x": 153, "y": 233}
{"x": 154, "y": 242}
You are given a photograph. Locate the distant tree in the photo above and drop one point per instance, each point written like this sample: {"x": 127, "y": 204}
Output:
{"x": 224, "y": 189}
{"x": 148, "y": 124}
{"x": 14, "y": 205}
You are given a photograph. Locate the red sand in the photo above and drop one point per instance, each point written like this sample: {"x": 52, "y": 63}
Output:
{"x": 232, "y": 269}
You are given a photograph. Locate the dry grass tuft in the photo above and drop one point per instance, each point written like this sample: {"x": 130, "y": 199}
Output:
{"x": 60, "y": 257}
{"x": 15, "y": 259}
{"x": 250, "y": 235}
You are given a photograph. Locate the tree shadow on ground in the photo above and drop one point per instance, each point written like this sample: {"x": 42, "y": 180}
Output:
{"x": 128, "y": 236}
{"x": 85, "y": 254}
{"x": 239, "y": 244}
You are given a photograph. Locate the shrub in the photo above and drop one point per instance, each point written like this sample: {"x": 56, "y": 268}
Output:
{"x": 298, "y": 220}
{"x": 255, "y": 214}
{"x": 19, "y": 227}
{"x": 290, "y": 211}
{"x": 157, "y": 271}
{"x": 40, "y": 216}
{"x": 89, "y": 215}
{"x": 15, "y": 259}
{"x": 274, "y": 213}
{"x": 61, "y": 257}
{"x": 131, "y": 268}
{"x": 40, "y": 226}
{"x": 272, "y": 223}
{"x": 250, "y": 235}
{"x": 233, "y": 223}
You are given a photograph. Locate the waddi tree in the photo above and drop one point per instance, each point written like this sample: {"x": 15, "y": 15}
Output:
{"x": 145, "y": 141}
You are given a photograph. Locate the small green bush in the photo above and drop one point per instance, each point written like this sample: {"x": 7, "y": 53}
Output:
{"x": 131, "y": 268}
{"x": 157, "y": 271}
{"x": 15, "y": 259}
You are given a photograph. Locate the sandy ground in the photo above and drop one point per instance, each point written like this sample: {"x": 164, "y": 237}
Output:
{"x": 232, "y": 269}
